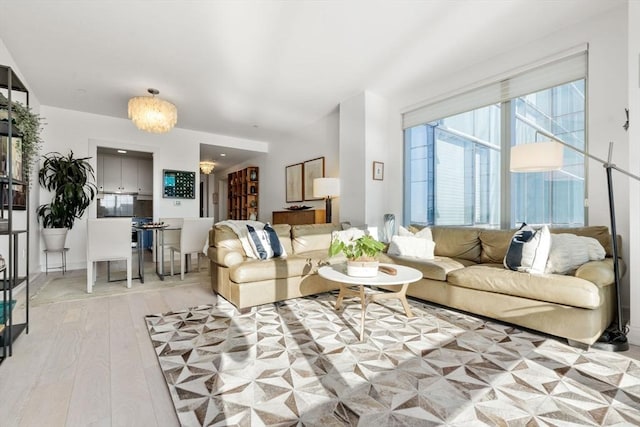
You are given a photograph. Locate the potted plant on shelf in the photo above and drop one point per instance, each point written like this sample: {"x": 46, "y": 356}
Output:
{"x": 70, "y": 180}
{"x": 362, "y": 255}
{"x": 29, "y": 125}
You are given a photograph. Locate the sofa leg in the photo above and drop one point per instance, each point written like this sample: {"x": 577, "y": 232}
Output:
{"x": 245, "y": 310}
{"x": 578, "y": 344}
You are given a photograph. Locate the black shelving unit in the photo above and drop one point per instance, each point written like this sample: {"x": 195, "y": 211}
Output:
{"x": 14, "y": 197}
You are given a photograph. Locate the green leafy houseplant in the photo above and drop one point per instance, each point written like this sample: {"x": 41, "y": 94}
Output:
{"x": 29, "y": 124}
{"x": 362, "y": 248}
{"x": 70, "y": 179}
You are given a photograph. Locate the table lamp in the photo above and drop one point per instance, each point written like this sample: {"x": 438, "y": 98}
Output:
{"x": 327, "y": 188}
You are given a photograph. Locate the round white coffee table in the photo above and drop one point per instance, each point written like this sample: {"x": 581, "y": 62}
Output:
{"x": 354, "y": 286}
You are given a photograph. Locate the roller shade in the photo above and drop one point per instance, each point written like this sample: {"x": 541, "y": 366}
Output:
{"x": 554, "y": 72}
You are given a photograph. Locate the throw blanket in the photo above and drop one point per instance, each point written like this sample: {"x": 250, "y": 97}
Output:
{"x": 240, "y": 228}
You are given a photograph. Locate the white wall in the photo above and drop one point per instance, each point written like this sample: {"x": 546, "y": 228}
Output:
{"x": 364, "y": 128}
{"x": 633, "y": 56}
{"x": 377, "y": 127}
{"x": 178, "y": 149}
{"x": 318, "y": 139}
{"x": 352, "y": 146}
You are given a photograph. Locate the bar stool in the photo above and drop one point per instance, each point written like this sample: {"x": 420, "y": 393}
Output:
{"x": 63, "y": 257}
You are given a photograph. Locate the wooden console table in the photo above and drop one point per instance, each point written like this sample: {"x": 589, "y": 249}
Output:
{"x": 307, "y": 216}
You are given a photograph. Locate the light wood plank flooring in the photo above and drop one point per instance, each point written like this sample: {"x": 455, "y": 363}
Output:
{"x": 90, "y": 362}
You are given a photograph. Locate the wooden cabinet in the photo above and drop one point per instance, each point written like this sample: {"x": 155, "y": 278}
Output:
{"x": 243, "y": 194}
{"x": 299, "y": 217}
{"x": 145, "y": 177}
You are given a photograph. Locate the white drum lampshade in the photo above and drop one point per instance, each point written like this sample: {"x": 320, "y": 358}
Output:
{"x": 536, "y": 157}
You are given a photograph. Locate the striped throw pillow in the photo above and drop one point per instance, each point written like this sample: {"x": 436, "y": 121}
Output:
{"x": 265, "y": 243}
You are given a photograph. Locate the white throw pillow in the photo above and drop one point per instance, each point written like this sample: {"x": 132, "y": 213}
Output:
{"x": 529, "y": 250}
{"x": 347, "y": 236}
{"x": 424, "y": 233}
{"x": 569, "y": 252}
{"x": 411, "y": 246}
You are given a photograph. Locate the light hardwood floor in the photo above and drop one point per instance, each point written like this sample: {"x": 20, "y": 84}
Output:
{"x": 91, "y": 363}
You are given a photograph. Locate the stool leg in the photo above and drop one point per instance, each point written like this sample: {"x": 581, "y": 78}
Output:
{"x": 46, "y": 263}
{"x": 90, "y": 277}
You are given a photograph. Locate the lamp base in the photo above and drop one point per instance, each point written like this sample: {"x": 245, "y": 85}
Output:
{"x": 612, "y": 340}
{"x": 327, "y": 212}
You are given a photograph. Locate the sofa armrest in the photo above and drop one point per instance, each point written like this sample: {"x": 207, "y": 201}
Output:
{"x": 598, "y": 272}
{"x": 225, "y": 257}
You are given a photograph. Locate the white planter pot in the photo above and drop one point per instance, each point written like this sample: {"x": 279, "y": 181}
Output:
{"x": 54, "y": 238}
{"x": 362, "y": 268}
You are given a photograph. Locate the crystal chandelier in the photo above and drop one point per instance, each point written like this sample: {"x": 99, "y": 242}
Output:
{"x": 206, "y": 167}
{"x": 152, "y": 114}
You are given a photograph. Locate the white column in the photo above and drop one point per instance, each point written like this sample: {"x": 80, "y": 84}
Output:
{"x": 364, "y": 138}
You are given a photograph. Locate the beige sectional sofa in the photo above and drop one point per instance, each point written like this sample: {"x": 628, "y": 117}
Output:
{"x": 467, "y": 274}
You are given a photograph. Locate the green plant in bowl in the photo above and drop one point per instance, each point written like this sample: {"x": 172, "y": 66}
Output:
{"x": 362, "y": 248}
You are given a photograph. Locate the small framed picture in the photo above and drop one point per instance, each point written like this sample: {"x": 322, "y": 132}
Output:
{"x": 378, "y": 171}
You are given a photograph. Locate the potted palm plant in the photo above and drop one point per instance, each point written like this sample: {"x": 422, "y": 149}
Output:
{"x": 71, "y": 181}
{"x": 362, "y": 255}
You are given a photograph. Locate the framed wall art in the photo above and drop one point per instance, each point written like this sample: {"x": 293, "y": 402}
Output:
{"x": 313, "y": 169}
{"x": 294, "y": 182}
{"x": 178, "y": 184}
{"x": 378, "y": 171}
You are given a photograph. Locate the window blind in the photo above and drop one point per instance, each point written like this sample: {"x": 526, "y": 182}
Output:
{"x": 554, "y": 72}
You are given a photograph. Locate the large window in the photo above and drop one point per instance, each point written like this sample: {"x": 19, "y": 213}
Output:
{"x": 455, "y": 170}
{"x": 551, "y": 197}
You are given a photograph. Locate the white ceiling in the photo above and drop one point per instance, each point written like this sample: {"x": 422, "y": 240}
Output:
{"x": 260, "y": 69}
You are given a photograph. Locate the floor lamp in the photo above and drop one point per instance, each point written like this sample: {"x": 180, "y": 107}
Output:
{"x": 547, "y": 156}
{"x": 327, "y": 188}
{"x": 206, "y": 168}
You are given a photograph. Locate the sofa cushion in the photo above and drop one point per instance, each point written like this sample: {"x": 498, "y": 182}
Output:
{"x": 312, "y": 237}
{"x": 284, "y": 234}
{"x": 494, "y": 245}
{"x": 423, "y": 233}
{"x": 529, "y": 250}
{"x": 222, "y": 236}
{"x": 598, "y": 232}
{"x": 569, "y": 252}
{"x": 265, "y": 243}
{"x": 411, "y": 246}
{"x": 496, "y": 242}
{"x": 554, "y": 288}
{"x": 253, "y": 270}
{"x": 457, "y": 242}
{"x": 435, "y": 269}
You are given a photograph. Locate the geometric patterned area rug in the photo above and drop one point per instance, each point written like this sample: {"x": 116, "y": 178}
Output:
{"x": 299, "y": 362}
